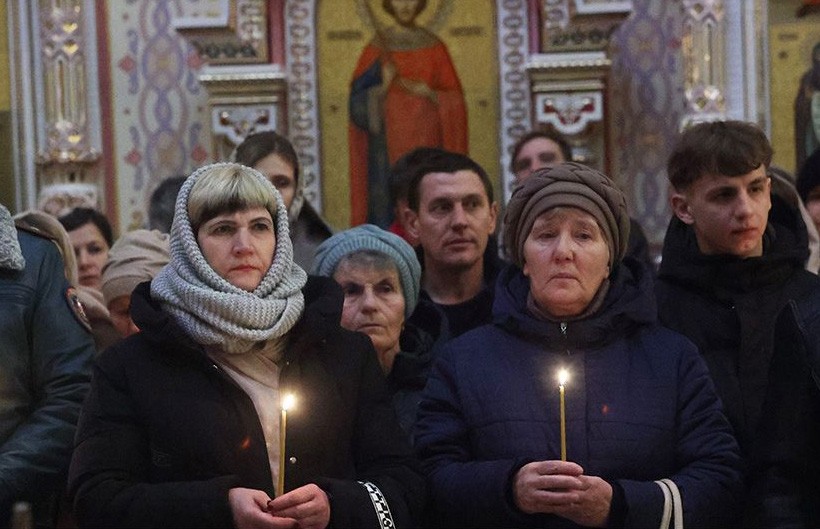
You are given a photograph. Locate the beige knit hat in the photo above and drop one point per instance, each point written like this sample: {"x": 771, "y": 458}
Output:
{"x": 567, "y": 184}
{"x": 137, "y": 256}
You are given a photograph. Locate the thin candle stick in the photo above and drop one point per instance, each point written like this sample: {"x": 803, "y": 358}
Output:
{"x": 562, "y": 380}
{"x": 287, "y": 403}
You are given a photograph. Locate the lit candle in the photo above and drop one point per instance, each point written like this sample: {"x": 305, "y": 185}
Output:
{"x": 287, "y": 403}
{"x": 563, "y": 376}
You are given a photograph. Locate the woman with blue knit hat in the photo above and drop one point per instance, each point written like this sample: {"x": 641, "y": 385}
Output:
{"x": 380, "y": 276}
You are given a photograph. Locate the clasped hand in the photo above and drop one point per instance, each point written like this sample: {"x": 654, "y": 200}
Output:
{"x": 305, "y": 508}
{"x": 561, "y": 488}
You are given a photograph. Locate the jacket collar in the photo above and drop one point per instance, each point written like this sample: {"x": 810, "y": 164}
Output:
{"x": 323, "y": 309}
{"x": 629, "y": 304}
{"x": 783, "y": 253}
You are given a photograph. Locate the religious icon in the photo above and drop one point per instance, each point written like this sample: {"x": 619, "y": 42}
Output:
{"x": 405, "y": 93}
{"x": 807, "y": 111}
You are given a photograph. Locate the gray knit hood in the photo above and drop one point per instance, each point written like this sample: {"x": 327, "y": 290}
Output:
{"x": 11, "y": 257}
{"x": 209, "y": 308}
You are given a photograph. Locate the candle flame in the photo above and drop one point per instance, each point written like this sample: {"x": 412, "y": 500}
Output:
{"x": 563, "y": 376}
{"x": 288, "y": 402}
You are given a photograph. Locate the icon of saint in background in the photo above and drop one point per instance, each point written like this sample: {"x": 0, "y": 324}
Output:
{"x": 405, "y": 93}
{"x": 807, "y": 111}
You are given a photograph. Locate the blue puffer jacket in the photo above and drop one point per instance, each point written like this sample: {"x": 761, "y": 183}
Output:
{"x": 640, "y": 406}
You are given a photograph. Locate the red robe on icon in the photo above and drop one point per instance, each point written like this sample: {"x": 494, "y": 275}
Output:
{"x": 422, "y": 107}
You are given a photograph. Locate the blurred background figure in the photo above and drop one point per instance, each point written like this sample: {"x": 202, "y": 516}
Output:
{"x": 788, "y": 207}
{"x": 102, "y": 328}
{"x": 401, "y": 176}
{"x": 806, "y": 120}
{"x": 537, "y": 149}
{"x": 274, "y": 156}
{"x": 808, "y": 186}
{"x": 137, "y": 256}
{"x": 45, "y": 368}
{"x": 161, "y": 204}
{"x": 91, "y": 237}
{"x": 381, "y": 279}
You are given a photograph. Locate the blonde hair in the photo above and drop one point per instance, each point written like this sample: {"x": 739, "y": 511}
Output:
{"x": 226, "y": 188}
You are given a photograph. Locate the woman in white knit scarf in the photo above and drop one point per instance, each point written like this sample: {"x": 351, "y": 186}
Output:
{"x": 232, "y": 287}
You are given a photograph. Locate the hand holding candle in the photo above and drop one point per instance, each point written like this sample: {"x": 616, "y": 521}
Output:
{"x": 563, "y": 376}
{"x": 287, "y": 403}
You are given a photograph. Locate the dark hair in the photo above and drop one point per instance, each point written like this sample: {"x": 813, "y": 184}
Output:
{"x": 401, "y": 173}
{"x": 549, "y": 134}
{"x": 809, "y": 175}
{"x": 388, "y": 7}
{"x": 728, "y": 148}
{"x": 443, "y": 161}
{"x": 79, "y": 217}
{"x": 162, "y": 203}
{"x": 262, "y": 144}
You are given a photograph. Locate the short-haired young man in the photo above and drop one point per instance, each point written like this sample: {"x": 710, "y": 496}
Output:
{"x": 452, "y": 216}
{"x": 732, "y": 280}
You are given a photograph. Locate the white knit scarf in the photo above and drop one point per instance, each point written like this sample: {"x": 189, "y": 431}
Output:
{"x": 11, "y": 257}
{"x": 210, "y": 309}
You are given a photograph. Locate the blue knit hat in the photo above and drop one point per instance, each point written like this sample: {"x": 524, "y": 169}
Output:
{"x": 370, "y": 237}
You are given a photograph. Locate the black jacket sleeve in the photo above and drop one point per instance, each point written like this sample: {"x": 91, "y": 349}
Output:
{"x": 383, "y": 460}
{"x": 109, "y": 474}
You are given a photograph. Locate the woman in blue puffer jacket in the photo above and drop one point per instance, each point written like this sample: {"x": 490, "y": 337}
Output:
{"x": 640, "y": 406}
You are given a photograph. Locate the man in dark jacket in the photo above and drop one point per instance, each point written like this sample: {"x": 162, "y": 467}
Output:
{"x": 45, "y": 368}
{"x": 732, "y": 280}
{"x": 453, "y": 217}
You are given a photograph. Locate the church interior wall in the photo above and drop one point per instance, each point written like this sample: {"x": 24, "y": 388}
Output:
{"x": 154, "y": 117}
{"x": 6, "y": 173}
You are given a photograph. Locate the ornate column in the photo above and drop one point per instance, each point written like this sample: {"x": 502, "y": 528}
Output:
{"x": 704, "y": 51}
{"x": 568, "y": 79}
{"x": 56, "y": 120}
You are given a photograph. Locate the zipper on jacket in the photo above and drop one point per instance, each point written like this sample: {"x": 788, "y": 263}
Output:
{"x": 563, "y": 327}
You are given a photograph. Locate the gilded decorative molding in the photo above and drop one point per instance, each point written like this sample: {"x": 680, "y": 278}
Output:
{"x": 568, "y": 79}
{"x": 704, "y": 49}
{"x": 235, "y": 123}
{"x": 303, "y": 128}
{"x": 60, "y": 199}
{"x": 66, "y": 139}
{"x": 569, "y": 113}
{"x": 243, "y": 99}
{"x": 228, "y": 76}
{"x": 580, "y": 25}
{"x": 230, "y": 32}
{"x": 513, "y": 50}
{"x": 556, "y": 63}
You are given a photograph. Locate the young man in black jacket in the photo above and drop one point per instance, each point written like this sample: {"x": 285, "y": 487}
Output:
{"x": 732, "y": 280}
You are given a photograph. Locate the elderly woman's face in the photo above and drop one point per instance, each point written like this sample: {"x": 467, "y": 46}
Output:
{"x": 239, "y": 246}
{"x": 566, "y": 258}
{"x": 374, "y": 305}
